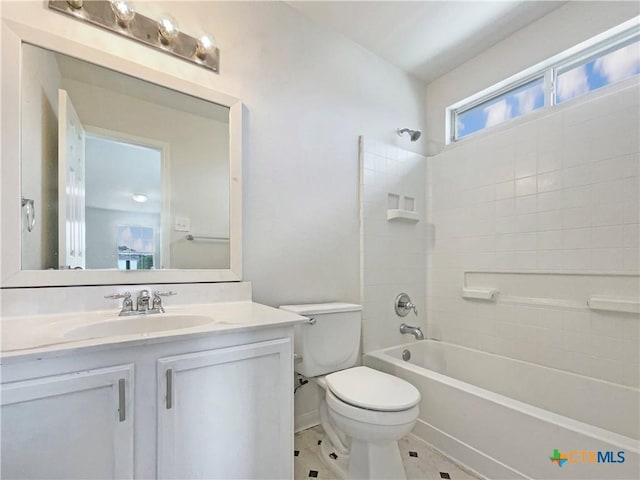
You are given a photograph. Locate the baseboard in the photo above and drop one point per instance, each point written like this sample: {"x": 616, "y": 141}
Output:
{"x": 306, "y": 420}
{"x": 464, "y": 454}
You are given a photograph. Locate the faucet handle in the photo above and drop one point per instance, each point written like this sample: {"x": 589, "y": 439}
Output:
{"x": 157, "y": 300}
{"x": 127, "y": 303}
{"x": 164, "y": 294}
{"x": 403, "y": 305}
{"x": 119, "y": 295}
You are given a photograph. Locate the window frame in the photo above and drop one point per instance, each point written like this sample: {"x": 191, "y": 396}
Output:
{"x": 609, "y": 41}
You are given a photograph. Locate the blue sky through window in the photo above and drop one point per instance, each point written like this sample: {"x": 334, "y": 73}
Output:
{"x": 512, "y": 104}
{"x": 604, "y": 70}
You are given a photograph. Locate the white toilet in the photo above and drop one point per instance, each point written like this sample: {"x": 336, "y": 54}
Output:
{"x": 363, "y": 412}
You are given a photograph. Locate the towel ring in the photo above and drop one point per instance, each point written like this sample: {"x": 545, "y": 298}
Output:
{"x": 30, "y": 210}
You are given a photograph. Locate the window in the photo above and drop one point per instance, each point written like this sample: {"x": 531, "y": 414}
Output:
{"x": 604, "y": 60}
{"x": 515, "y": 102}
{"x": 135, "y": 247}
{"x": 604, "y": 69}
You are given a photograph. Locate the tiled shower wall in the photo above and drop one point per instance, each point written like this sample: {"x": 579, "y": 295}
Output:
{"x": 553, "y": 192}
{"x": 393, "y": 251}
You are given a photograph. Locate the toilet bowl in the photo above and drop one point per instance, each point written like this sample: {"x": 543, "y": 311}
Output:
{"x": 374, "y": 410}
{"x": 364, "y": 412}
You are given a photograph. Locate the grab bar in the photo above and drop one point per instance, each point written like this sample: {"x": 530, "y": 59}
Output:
{"x": 614, "y": 304}
{"x": 191, "y": 238}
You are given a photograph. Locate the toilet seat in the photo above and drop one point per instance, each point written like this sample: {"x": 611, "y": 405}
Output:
{"x": 366, "y": 388}
{"x": 372, "y": 417}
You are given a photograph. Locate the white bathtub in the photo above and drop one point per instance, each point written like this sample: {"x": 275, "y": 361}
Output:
{"x": 503, "y": 418}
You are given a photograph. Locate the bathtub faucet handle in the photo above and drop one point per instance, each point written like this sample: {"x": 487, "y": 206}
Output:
{"x": 403, "y": 305}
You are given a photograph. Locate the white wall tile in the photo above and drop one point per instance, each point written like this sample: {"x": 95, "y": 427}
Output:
{"x": 550, "y": 240}
{"x": 575, "y": 208}
{"x": 576, "y": 238}
{"x": 528, "y": 204}
{"x": 607, "y": 236}
{"x": 526, "y": 186}
{"x": 394, "y": 253}
{"x": 505, "y": 190}
{"x": 550, "y": 181}
{"x": 549, "y": 220}
{"x": 549, "y": 201}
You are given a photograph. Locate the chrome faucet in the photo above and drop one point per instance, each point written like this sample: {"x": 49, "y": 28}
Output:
{"x": 142, "y": 302}
{"x": 415, "y": 331}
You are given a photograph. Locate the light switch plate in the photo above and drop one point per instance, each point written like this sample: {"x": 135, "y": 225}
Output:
{"x": 182, "y": 224}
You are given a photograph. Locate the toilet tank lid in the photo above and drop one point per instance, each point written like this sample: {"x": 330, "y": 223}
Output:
{"x": 318, "y": 308}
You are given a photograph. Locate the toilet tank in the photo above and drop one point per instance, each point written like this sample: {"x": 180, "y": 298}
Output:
{"x": 330, "y": 341}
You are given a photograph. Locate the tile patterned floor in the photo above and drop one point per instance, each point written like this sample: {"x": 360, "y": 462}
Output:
{"x": 421, "y": 462}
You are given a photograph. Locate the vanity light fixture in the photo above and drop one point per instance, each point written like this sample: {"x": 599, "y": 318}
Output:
{"x": 123, "y": 11}
{"x": 120, "y": 17}
{"x": 167, "y": 28}
{"x": 140, "y": 197}
{"x": 204, "y": 46}
{"x": 75, "y": 4}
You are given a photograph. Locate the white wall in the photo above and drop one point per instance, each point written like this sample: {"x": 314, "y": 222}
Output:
{"x": 574, "y": 22}
{"x": 393, "y": 251}
{"x": 549, "y": 194}
{"x": 309, "y": 93}
{"x": 40, "y": 82}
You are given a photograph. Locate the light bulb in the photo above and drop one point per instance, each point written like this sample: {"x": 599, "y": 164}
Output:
{"x": 168, "y": 28}
{"x": 204, "y": 46}
{"x": 76, "y": 4}
{"x": 140, "y": 197}
{"x": 123, "y": 11}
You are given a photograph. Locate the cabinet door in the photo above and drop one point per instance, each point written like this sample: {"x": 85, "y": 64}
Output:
{"x": 76, "y": 425}
{"x": 227, "y": 413}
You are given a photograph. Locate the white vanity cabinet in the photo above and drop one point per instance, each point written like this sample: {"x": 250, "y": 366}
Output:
{"x": 226, "y": 413}
{"x": 216, "y": 406}
{"x": 74, "y": 425}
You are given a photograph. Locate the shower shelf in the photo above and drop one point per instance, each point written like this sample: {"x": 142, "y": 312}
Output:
{"x": 403, "y": 215}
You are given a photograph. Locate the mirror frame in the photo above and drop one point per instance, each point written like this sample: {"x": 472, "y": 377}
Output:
{"x": 14, "y": 34}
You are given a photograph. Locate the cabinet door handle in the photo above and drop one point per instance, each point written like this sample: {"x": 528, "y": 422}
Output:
{"x": 122, "y": 400}
{"x": 169, "y": 374}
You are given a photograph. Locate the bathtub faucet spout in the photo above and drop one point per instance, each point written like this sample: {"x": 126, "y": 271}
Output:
{"x": 415, "y": 331}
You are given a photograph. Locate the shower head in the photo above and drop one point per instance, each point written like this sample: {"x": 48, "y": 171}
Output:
{"x": 413, "y": 134}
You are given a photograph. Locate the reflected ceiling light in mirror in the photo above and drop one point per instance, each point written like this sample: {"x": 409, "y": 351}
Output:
{"x": 123, "y": 11}
{"x": 204, "y": 46}
{"x": 140, "y": 197}
{"x": 162, "y": 33}
{"x": 168, "y": 28}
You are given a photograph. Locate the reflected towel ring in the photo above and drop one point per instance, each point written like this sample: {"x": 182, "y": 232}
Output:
{"x": 31, "y": 213}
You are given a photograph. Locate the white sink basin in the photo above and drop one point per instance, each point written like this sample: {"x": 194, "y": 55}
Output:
{"x": 137, "y": 325}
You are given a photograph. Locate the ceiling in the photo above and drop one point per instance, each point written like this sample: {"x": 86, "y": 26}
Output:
{"x": 425, "y": 38}
{"x": 115, "y": 170}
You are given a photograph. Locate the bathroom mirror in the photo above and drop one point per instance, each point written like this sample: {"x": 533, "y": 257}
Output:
{"x": 121, "y": 176}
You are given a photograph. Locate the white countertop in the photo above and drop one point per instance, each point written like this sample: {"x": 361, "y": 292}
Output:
{"x": 50, "y": 334}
